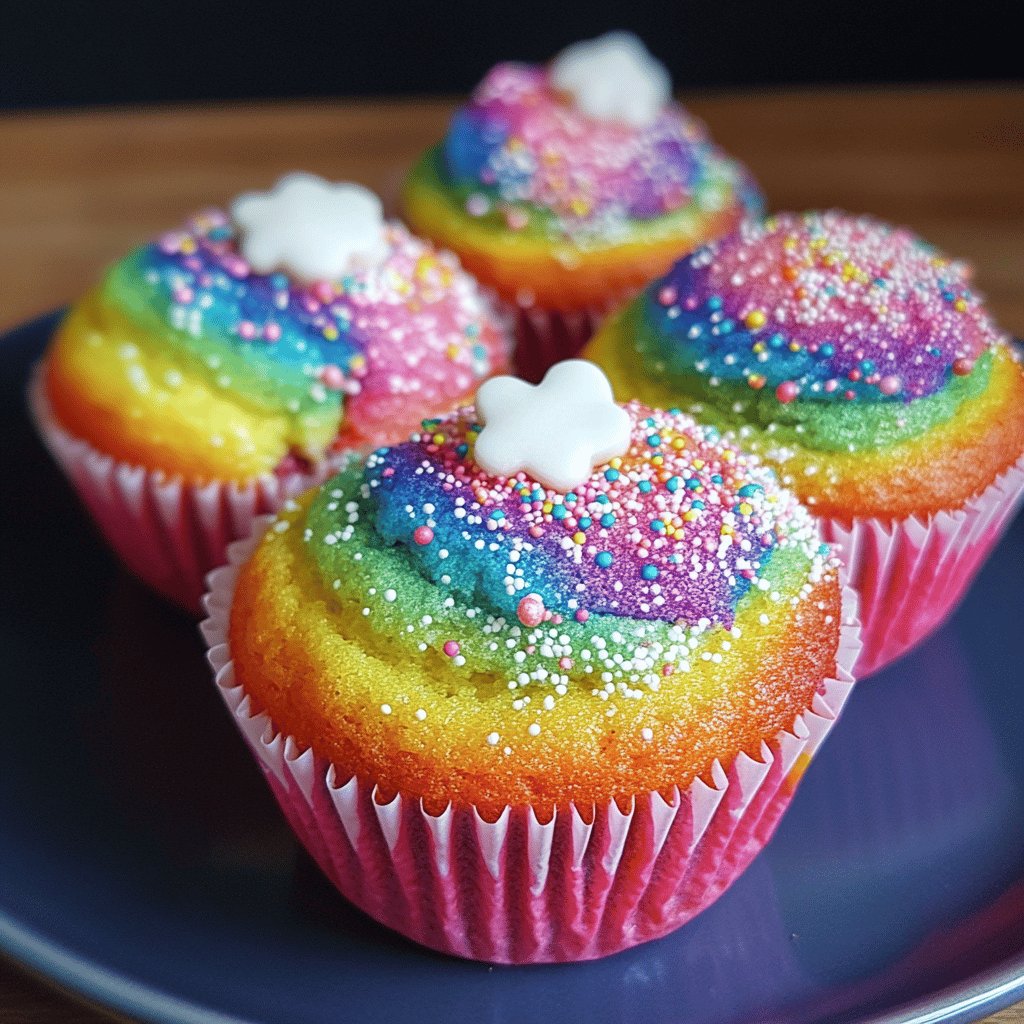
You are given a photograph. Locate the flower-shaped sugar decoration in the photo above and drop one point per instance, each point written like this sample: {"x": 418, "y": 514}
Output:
{"x": 556, "y": 431}
{"x": 310, "y": 228}
{"x": 613, "y": 78}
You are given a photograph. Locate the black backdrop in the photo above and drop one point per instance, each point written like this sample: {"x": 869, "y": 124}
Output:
{"x": 65, "y": 52}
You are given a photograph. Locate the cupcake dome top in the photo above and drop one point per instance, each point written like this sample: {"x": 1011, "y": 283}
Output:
{"x": 261, "y": 338}
{"x": 822, "y": 306}
{"x": 583, "y": 145}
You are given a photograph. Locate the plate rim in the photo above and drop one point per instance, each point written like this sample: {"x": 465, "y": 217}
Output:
{"x": 76, "y": 975}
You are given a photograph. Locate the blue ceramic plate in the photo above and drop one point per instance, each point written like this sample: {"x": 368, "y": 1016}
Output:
{"x": 144, "y": 865}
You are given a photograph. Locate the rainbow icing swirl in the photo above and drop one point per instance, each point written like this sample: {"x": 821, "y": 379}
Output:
{"x": 620, "y": 576}
{"x": 853, "y": 333}
{"x": 524, "y": 158}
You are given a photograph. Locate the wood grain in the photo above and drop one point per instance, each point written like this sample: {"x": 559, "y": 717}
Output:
{"x": 79, "y": 189}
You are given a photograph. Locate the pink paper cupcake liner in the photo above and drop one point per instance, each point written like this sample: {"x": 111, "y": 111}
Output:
{"x": 912, "y": 573}
{"x": 166, "y": 531}
{"x": 590, "y": 882}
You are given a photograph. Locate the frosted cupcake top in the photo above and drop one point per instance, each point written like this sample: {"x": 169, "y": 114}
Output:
{"x": 306, "y": 303}
{"x": 650, "y": 549}
{"x": 824, "y": 307}
{"x": 584, "y": 146}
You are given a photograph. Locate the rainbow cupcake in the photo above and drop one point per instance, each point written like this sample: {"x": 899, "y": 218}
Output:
{"x": 860, "y": 363}
{"x": 567, "y": 187}
{"x": 538, "y": 683}
{"x": 232, "y": 363}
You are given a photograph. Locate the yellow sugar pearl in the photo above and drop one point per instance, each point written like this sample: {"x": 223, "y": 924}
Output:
{"x": 960, "y": 305}
{"x": 548, "y": 506}
{"x": 746, "y": 508}
{"x": 331, "y": 332}
{"x": 692, "y": 515}
{"x": 755, "y": 319}
{"x": 188, "y": 246}
{"x": 678, "y": 443}
{"x": 438, "y": 439}
{"x": 452, "y": 351}
{"x": 699, "y": 463}
{"x": 616, "y": 463}
{"x": 579, "y": 537}
{"x": 728, "y": 455}
{"x": 726, "y": 530}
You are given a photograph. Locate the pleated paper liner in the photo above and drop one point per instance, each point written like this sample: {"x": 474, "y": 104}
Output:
{"x": 912, "y": 573}
{"x": 590, "y": 882}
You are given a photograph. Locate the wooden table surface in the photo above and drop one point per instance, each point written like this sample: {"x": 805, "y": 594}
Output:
{"x": 76, "y": 190}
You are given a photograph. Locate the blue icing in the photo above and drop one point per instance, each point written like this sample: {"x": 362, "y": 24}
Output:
{"x": 705, "y": 341}
{"x": 472, "y": 140}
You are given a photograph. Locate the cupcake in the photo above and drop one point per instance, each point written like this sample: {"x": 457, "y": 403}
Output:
{"x": 232, "y": 363}
{"x": 859, "y": 362}
{"x": 566, "y": 188}
{"x": 538, "y": 683}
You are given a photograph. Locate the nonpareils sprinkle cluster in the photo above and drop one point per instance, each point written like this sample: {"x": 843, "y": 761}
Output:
{"x": 525, "y": 147}
{"x": 361, "y": 336}
{"x": 676, "y": 530}
{"x": 825, "y": 306}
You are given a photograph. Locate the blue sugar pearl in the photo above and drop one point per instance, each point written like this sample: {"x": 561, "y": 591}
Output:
{"x": 693, "y": 483}
{"x": 570, "y": 498}
{"x": 644, "y": 486}
{"x": 657, "y": 525}
{"x": 726, "y": 326}
{"x": 559, "y": 512}
{"x": 649, "y": 572}
{"x": 607, "y": 520}
{"x": 654, "y": 440}
{"x": 603, "y": 499}
{"x": 673, "y": 483}
{"x": 497, "y": 515}
{"x": 538, "y": 494}
{"x": 823, "y": 549}
{"x": 611, "y": 474}
{"x": 827, "y": 350}
{"x": 697, "y": 503}
{"x": 716, "y": 478}
{"x": 748, "y": 490}
{"x": 604, "y": 559}
{"x": 776, "y": 341}
{"x": 715, "y": 302}
{"x": 585, "y": 522}
{"x": 462, "y": 449}
{"x": 867, "y": 366}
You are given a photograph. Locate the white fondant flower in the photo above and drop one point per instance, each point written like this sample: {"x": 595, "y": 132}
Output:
{"x": 311, "y": 228}
{"x": 614, "y": 78}
{"x": 557, "y": 431}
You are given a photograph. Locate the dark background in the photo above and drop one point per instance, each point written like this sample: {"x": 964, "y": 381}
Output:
{"x": 63, "y": 52}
